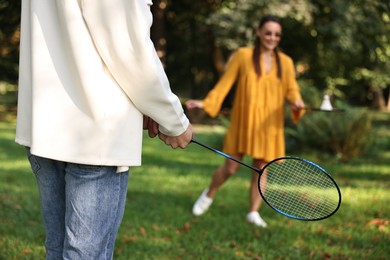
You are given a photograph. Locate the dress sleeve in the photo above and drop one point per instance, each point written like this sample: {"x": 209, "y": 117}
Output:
{"x": 120, "y": 30}
{"x": 292, "y": 88}
{"x": 214, "y": 99}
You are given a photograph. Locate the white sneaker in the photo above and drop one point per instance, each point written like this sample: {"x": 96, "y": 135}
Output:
{"x": 202, "y": 204}
{"x": 255, "y": 219}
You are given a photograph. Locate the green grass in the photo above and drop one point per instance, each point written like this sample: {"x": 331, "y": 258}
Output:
{"x": 158, "y": 223}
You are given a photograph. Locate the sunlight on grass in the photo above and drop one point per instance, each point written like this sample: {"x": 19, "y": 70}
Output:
{"x": 366, "y": 169}
{"x": 158, "y": 223}
{"x": 18, "y": 165}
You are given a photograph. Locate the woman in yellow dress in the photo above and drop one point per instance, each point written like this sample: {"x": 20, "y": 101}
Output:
{"x": 265, "y": 79}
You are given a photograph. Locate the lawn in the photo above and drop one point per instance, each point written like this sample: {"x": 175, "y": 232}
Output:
{"x": 158, "y": 223}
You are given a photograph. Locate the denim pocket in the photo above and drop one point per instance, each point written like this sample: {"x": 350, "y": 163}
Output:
{"x": 35, "y": 166}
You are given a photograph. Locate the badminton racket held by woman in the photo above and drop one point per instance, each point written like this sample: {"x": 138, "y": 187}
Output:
{"x": 318, "y": 109}
{"x": 326, "y": 106}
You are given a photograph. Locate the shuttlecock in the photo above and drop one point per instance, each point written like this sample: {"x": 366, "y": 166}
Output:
{"x": 326, "y": 105}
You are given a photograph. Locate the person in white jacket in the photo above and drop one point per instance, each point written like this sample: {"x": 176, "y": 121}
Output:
{"x": 90, "y": 81}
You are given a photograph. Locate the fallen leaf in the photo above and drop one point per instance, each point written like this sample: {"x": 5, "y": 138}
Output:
{"x": 379, "y": 223}
{"x": 233, "y": 244}
{"x": 127, "y": 239}
{"x": 25, "y": 251}
{"x": 143, "y": 231}
{"x": 186, "y": 227}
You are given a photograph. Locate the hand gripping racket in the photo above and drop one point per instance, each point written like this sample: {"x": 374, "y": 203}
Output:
{"x": 295, "y": 187}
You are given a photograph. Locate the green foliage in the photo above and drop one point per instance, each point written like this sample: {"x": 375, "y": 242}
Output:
{"x": 347, "y": 135}
{"x": 9, "y": 39}
{"x": 348, "y": 46}
{"x": 343, "y": 53}
{"x": 311, "y": 95}
{"x": 190, "y": 46}
{"x": 8, "y": 97}
{"x": 342, "y": 46}
{"x": 235, "y": 22}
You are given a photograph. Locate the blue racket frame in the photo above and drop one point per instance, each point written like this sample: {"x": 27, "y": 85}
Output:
{"x": 260, "y": 172}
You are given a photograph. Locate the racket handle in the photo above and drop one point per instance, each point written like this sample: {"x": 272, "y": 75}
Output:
{"x": 314, "y": 109}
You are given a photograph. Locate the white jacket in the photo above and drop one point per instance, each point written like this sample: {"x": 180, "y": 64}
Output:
{"x": 88, "y": 73}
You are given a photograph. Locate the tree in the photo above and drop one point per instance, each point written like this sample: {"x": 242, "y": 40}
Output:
{"x": 190, "y": 46}
{"x": 9, "y": 39}
{"x": 158, "y": 29}
{"x": 352, "y": 54}
{"x": 339, "y": 46}
{"x": 334, "y": 43}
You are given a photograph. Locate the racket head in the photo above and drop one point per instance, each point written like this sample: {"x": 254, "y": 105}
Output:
{"x": 299, "y": 189}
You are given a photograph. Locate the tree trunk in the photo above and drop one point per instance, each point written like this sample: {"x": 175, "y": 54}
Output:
{"x": 388, "y": 103}
{"x": 378, "y": 102}
{"x": 218, "y": 59}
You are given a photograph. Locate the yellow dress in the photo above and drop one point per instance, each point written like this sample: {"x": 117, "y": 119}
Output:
{"x": 257, "y": 116}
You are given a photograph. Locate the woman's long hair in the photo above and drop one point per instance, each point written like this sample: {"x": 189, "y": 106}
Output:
{"x": 257, "y": 51}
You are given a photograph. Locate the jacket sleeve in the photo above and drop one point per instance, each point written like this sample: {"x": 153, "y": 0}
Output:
{"x": 214, "y": 99}
{"x": 120, "y": 30}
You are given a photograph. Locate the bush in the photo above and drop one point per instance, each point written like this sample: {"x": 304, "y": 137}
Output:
{"x": 347, "y": 135}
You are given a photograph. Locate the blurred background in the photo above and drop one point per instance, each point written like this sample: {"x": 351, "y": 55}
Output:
{"x": 340, "y": 48}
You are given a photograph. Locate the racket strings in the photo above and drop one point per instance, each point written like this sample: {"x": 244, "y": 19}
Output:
{"x": 298, "y": 189}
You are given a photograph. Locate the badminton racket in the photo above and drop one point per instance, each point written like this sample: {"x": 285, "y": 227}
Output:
{"x": 314, "y": 109}
{"x": 295, "y": 187}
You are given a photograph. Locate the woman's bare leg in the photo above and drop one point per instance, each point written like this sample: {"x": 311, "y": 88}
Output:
{"x": 219, "y": 177}
{"x": 222, "y": 174}
{"x": 255, "y": 198}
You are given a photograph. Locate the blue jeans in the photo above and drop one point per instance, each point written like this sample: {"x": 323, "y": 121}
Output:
{"x": 82, "y": 207}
